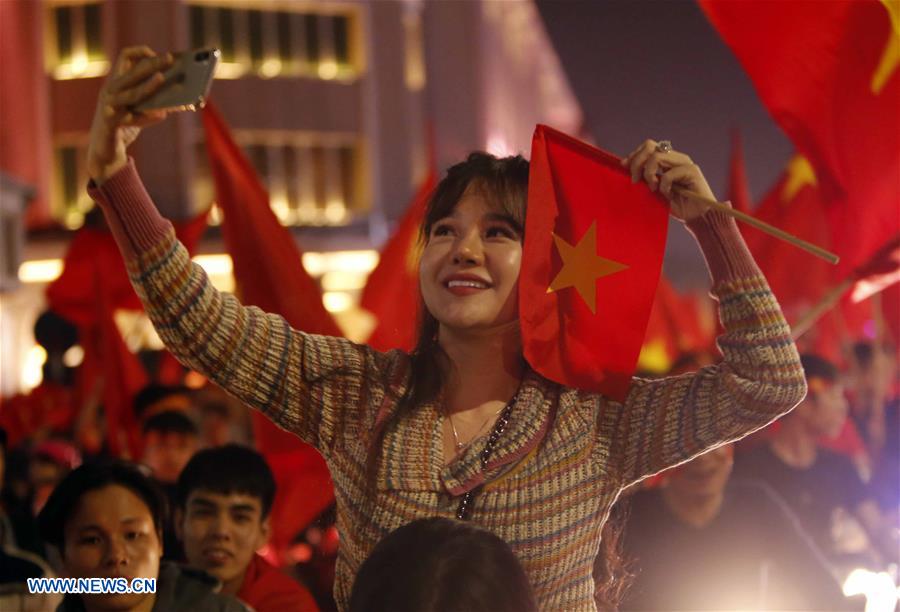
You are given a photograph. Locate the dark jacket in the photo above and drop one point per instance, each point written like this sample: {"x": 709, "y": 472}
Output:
{"x": 178, "y": 588}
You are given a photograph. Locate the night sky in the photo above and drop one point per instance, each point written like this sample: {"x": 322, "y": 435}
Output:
{"x": 657, "y": 69}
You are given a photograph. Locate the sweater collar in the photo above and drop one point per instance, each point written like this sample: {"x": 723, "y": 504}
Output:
{"x": 528, "y": 424}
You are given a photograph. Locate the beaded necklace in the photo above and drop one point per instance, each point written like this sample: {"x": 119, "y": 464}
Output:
{"x": 465, "y": 504}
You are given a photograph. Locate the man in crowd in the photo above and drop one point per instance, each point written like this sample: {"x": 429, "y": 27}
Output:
{"x": 700, "y": 542}
{"x": 105, "y": 520}
{"x": 155, "y": 398}
{"x": 875, "y": 410}
{"x": 821, "y": 487}
{"x": 170, "y": 439}
{"x": 224, "y": 498}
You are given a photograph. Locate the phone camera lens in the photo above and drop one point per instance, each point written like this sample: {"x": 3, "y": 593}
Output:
{"x": 202, "y": 56}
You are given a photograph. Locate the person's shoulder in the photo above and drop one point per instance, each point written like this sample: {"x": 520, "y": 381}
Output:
{"x": 835, "y": 463}
{"x": 185, "y": 588}
{"x": 272, "y": 589}
{"x": 754, "y": 496}
{"x": 753, "y": 459}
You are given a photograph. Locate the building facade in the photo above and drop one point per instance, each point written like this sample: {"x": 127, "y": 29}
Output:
{"x": 331, "y": 100}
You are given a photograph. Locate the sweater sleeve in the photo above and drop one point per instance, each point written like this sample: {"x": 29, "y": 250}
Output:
{"x": 666, "y": 421}
{"x": 307, "y": 384}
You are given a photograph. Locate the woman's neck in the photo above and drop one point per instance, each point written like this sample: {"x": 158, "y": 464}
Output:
{"x": 794, "y": 445}
{"x": 486, "y": 365}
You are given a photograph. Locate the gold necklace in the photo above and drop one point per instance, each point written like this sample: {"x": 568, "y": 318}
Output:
{"x": 459, "y": 445}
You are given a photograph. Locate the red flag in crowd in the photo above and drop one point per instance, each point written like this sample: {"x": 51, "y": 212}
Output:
{"x": 880, "y": 272}
{"x": 123, "y": 377}
{"x": 269, "y": 273}
{"x": 794, "y": 204}
{"x": 828, "y": 74}
{"x": 268, "y": 265}
{"x": 594, "y": 245}
{"x": 890, "y": 305}
{"x": 738, "y": 185}
{"x": 680, "y": 323}
{"x": 91, "y": 263}
{"x": 92, "y": 286}
{"x": 392, "y": 289}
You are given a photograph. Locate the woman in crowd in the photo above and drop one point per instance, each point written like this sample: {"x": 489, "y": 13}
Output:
{"x": 461, "y": 426}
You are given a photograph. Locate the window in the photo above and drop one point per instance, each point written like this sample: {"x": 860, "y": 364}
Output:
{"x": 70, "y": 199}
{"x": 76, "y": 41}
{"x": 311, "y": 179}
{"x": 276, "y": 43}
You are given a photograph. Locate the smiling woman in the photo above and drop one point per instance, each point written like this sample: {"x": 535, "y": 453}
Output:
{"x": 461, "y": 426}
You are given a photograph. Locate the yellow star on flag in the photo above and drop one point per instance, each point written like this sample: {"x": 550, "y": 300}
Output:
{"x": 582, "y": 267}
{"x": 890, "y": 57}
{"x": 800, "y": 174}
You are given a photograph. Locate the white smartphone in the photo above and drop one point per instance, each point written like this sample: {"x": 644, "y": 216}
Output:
{"x": 187, "y": 82}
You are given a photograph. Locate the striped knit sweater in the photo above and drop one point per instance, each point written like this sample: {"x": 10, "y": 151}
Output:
{"x": 565, "y": 455}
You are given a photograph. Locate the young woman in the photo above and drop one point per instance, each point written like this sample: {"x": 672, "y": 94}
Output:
{"x": 462, "y": 426}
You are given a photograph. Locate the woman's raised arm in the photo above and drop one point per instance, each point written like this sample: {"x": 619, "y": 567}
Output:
{"x": 664, "y": 422}
{"x": 310, "y": 385}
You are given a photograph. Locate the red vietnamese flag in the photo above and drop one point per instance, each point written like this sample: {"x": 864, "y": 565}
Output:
{"x": 594, "y": 245}
{"x": 828, "y": 74}
{"x": 890, "y": 308}
{"x": 268, "y": 265}
{"x": 123, "y": 377}
{"x": 879, "y": 273}
{"x": 269, "y": 273}
{"x": 681, "y": 323}
{"x": 794, "y": 204}
{"x": 392, "y": 289}
{"x": 91, "y": 264}
{"x": 738, "y": 187}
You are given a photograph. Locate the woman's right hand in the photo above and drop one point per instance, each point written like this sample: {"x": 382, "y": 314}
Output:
{"x": 137, "y": 75}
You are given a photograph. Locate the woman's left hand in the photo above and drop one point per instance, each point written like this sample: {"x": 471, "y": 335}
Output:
{"x": 663, "y": 171}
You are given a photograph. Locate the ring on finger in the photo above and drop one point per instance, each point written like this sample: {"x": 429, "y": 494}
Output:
{"x": 664, "y": 146}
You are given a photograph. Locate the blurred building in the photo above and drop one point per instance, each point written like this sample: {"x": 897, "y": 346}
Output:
{"x": 331, "y": 100}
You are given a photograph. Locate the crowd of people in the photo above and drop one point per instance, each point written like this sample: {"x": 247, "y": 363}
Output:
{"x": 463, "y": 479}
{"x": 780, "y": 519}
{"x": 775, "y": 521}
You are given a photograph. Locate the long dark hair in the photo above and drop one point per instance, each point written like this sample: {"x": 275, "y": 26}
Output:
{"x": 504, "y": 183}
{"x": 441, "y": 565}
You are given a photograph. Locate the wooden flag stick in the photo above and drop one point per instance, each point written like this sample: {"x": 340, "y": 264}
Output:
{"x": 827, "y": 302}
{"x": 762, "y": 225}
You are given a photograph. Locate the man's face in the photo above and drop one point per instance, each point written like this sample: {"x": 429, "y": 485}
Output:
{"x": 166, "y": 453}
{"x": 221, "y": 533}
{"x": 825, "y": 409}
{"x": 704, "y": 475}
{"x": 111, "y": 534}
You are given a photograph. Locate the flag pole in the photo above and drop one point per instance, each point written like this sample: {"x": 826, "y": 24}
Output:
{"x": 828, "y": 301}
{"x": 761, "y": 225}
